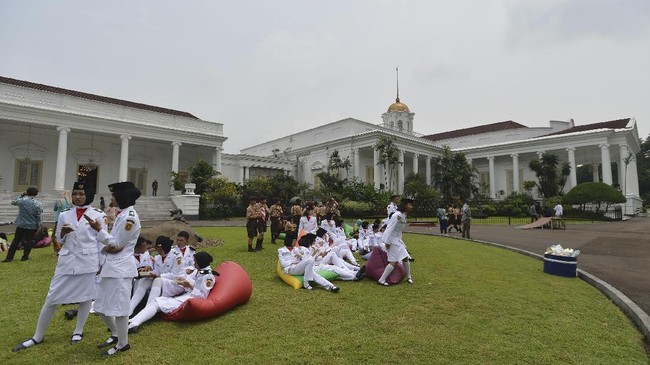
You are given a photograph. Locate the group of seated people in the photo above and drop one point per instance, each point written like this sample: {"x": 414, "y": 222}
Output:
{"x": 326, "y": 246}
{"x": 176, "y": 274}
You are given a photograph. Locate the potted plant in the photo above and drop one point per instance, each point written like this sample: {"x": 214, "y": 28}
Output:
{"x": 177, "y": 182}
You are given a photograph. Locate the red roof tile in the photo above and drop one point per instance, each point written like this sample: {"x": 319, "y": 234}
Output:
{"x": 494, "y": 127}
{"x": 103, "y": 99}
{"x": 612, "y": 124}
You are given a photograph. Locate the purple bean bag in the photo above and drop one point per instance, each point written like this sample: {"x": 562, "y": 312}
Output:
{"x": 376, "y": 265}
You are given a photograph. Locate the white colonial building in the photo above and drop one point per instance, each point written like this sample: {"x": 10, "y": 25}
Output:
{"x": 51, "y": 137}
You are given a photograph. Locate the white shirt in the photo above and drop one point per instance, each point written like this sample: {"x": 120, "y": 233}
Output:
{"x": 558, "y": 210}
{"x": 393, "y": 232}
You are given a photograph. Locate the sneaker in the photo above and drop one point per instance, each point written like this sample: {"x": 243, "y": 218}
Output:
{"x": 134, "y": 329}
{"x": 308, "y": 287}
{"x": 76, "y": 338}
{"x": 409, "y": 280}
{"x": 333, "y": 289}
{"x": 383, "y": 283}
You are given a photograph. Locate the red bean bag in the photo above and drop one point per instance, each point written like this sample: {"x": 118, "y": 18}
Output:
{"x": 376, "y": 265}
{"x": 232, "y": 288}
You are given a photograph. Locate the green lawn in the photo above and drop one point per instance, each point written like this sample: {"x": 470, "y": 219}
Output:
{"x": 471, "y": 304}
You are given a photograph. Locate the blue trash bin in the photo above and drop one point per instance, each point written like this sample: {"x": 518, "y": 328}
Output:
{"x": 561, "y": 265}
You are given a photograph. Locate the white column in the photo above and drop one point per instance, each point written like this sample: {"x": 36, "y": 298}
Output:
{"x": 62, "y": 153}
{"x": 428, "y": 169}
{"x": 606, "y": 162}
{"x": 216, "y": 159}
{"x": 632, "y": 181}
{"x": 573, "y": 179}
{"x": 241, "y": 174}
{"x": 247, "y": 173}
{"x": 175, "y": 155}
{"x": 491, "y": 167}
{"x": 416, "y": 168}
{"x": 595, "y": 173}
{"x": 124, "y": 158}
{"x": 400, "y": 173}
{"x": 376, "y": 166}
{"x": 515, "y": 172}
{"x": 355, "y": 163}
{"x": 623, "y": 152}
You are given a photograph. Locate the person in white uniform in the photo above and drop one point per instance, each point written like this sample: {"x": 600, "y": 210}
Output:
{"x": 77, "y": 265}
{"x": 144, "y": 264}
{"x": 392, "y": 206}
{"x": 116, "y": 275}
{"x": 296, "y": 261}
{"x": 308, "y": 222}
{"x": 392, "y": 241}
{"x": 197, "y": 284}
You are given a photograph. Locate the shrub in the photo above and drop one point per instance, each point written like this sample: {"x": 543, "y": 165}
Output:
{"x": 596, "y": 193}
{"x": 355, "y": 209}
{"x": 221, "y": 200}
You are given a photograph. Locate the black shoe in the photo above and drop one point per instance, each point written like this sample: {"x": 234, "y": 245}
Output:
{"x": 7, "y": 260}
{"x": 259, "y": 248}
{"x": 361, "y": 273}
{"x": 20, "y": 346}
{"x": 135, "y": 329}
{"x": 76, "y": 338}
{"x": 24, "y": 258}
{"x": 251, "y": 249}
{"x": 115, "y": 350}
{"x": 411, "y": 259}
{"x": 334, "y": 289}
{"x": 110, "y": 341}
{"x": 70, "y": 314}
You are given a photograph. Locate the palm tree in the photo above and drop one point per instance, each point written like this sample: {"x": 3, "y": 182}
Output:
{"x": 388, "y": 158}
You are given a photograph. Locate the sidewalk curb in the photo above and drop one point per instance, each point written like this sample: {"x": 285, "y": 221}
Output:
{"x": 631, "y": 309}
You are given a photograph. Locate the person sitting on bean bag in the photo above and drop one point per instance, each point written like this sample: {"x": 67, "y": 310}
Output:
{"x": 299, "y": 261}
{"x": 197, "y": 285}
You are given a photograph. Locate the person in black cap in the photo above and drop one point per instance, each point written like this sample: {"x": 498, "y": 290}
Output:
{"x": 117, "y": 273}
{"x": 395, "y": 247}
{"x": 77, "y": 265}
{"x": 197, "y": 284}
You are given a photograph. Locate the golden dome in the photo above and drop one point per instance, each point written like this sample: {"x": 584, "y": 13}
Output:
{"x": 397, "y": 106}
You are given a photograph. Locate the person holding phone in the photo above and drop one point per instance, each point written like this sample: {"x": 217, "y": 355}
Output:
{"x": 77, "y": 265}
{"x": 116, "y": 276}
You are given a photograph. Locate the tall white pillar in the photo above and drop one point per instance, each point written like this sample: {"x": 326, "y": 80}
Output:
{"x": 416, "y": 168}
{"x": 632, "y": 181}
{"x": 247, "y": 173}
{"x": 124, "y": 158}
{"x": 491, "y": 167}
{"x": 355, "y": 162}
{"x": 216, "y": 159}
{"x": 573, "y": 177}
{"x": 62, "y": 153}
{"x": 623, "y": 153}
{"x": 515, "y": 172}
{"x": 400, "y": 173}
{"x": 377, "y": 175}
{"x": 175, "y": 155}
{"x": 606, "y": 162}
{"x": 427, "y": 169}
{"x": 242, "y": 174}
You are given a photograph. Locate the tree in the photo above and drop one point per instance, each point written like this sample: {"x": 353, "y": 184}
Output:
{"x": 220, "y": 200}
{"x": 643, "y": 169}
{"x": 452, "y": 175}
{"x": 336, "y": 163}
{"x": 285, "y": 187}
{"x": 425, "y": 197}
{"x": 550, "y": 178}
{"x": 256, "y": 186}
{"x": 200, "y": 174}
{"x": 388, "y": 158}
{"x": 529, "y": 186}
{"x": 596, "y": 193}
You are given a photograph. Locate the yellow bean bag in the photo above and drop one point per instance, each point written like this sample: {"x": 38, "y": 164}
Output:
{"x": 295, "y": 281}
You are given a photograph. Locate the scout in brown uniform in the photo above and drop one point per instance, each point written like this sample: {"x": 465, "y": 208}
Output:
{"x": 276, "y": 214}
{"x": 262, "y": 221}
{"x": 252, "y": 214}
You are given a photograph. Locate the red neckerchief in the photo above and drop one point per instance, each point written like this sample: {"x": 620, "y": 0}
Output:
{"x": 308, "y": 218}
{"x": 80, "y": 212}
{"x": 162, "y": 257}
{"x": 118, "y": 213}
{"x": 183, "y": 250}
{"x": 137, "y": 257}
{"x": 290, "y": 248}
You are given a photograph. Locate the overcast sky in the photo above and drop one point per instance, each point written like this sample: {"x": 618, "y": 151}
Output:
{"x": 266, "y": 69}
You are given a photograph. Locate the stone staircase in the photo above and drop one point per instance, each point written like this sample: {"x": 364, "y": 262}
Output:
{"x": 149, "y": 208}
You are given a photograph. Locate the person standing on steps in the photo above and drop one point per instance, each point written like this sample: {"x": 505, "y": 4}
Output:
{"x": 154, "y": 187}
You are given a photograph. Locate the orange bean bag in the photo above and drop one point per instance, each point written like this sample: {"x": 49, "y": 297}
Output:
{"x": 232, "y": 288}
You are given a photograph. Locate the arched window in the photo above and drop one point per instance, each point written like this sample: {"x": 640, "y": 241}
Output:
{"x": 391, "y": 124}
{"x": 400, "y": 125}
